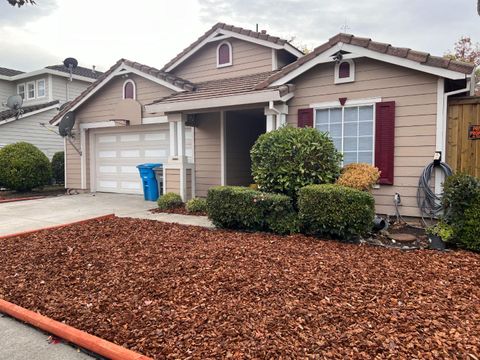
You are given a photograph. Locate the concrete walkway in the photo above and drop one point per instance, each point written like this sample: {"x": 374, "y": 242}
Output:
{"x": 35, "y": 214}
{"x": 22, "y": 342}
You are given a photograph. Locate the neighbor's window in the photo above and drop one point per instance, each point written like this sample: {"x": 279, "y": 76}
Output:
{"x": 31, "y": 90}
{"x": 21, "y": 90}
{"x": 224, "y": 54}
{"x": 129, "y": 90}
{"x": 345, "y": 71}
{"x": 41, "y": 88}
{"x": 351, "y": 129}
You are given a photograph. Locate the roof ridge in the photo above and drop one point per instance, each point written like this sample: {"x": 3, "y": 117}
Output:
{"x": 421, "y": 57}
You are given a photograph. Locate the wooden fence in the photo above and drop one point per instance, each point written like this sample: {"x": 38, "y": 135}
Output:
{"x": 463, "y": 135}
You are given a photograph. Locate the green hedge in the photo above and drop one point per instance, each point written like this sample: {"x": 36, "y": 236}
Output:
{"x": 169, "y": 201}
{"x": 196, "y": 205}
{"x": 287, "y": 159}
{"x": 58, "y": 167}
{"x": 235, "y": 207}
{"x": 23, "y": 167}
{"x": 336, "y": 211}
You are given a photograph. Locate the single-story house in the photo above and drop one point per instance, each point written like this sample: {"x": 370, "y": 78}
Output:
{"x": 200, "y": 114}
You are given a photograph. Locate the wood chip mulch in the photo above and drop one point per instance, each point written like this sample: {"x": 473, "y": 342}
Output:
{"x": 172, "y": 291}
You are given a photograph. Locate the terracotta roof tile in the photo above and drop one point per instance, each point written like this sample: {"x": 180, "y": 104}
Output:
{"x": 418, "y": 56}
{"x": 8, "y": 114}
{"x": 236, "y": 29}
{"x": 172, "y": 79}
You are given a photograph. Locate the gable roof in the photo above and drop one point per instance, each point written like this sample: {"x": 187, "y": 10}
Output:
{"x": 79, "y": 70}
{"x": 233, "y": 31}
{"x": 9, "y": 114}
{"x": 152, "y": 73}
{"x": 9, "y": 72}
{"x": 419, "y": 57}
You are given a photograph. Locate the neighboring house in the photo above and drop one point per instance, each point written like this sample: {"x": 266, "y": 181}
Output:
{"x": 43, "y": 92}
{"x": 200, "y": 114}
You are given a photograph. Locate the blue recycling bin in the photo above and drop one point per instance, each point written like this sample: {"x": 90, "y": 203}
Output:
{"x": 150, "y": 187}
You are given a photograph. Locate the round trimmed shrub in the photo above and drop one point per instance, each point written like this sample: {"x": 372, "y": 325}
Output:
{"x": 23, "y": 167}
{"x": 336, "y": 211}
{"x": 58, "y": 167}
{"x": 359, "y": 176}
{"x": 196, "y": 205}
{"x": 287, "y": 159}
{"x": 169, "y": 201}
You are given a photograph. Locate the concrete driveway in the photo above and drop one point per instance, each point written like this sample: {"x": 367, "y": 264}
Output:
{"x": 35, "y": 214}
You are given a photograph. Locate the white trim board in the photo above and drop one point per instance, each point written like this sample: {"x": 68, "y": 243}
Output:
{"x": 358, "y": 51}
{"x": 121, "y": 70}
{"x": 46, "y": 71}
{"x": 222, "y": 34}
{"x": 30, "y": 114}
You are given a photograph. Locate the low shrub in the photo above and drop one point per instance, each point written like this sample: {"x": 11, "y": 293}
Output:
{"x": 196, "y": 205}
{"x": 335, "y": 210}
{"x": 58, "y": 167}
{"x": 442, "y": 229}
{"x": 23, "y": 167}
{"x": 169, "y": 201}
{"x": 468, "y": 235}
{"x": 235, "y": 207}
{"x": 287, "y": 159}
{"x": 460, "y": 191}
{"x": 359, "y": 176}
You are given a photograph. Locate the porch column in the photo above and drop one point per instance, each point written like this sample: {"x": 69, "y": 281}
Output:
{"x": 175, "y": 171}
{"x": 276, "y": 116}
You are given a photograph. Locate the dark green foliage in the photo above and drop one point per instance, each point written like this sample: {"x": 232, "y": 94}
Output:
{"x": 58, "y": 167}
{"x": 287, "y": 159}
{"x": 169, "y": 201}
{"x": 235, "y": 207}
{"x": 336, "y": 211}
{"x": 196, "y": 205}
{"x": 461, "y": 200}
{"x": 23, "y": 167}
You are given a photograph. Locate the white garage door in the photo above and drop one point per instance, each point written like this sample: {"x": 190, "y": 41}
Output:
{"x": 118, "y": 154}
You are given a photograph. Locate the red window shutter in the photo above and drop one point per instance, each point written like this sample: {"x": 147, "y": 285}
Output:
{"x": 385, "y": 140}
{"x": 344, "y": 70}
{"x": 305, "y": 117}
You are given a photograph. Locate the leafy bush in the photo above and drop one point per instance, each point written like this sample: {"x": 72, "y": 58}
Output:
{"x": 58, "y": 167}
{"x": 23, "y": 167}
{"x": 442, "y": 229}
{"x": 468, "y": 236}
{"x": 287, "y": 159}
{"x": 335, "y": 211}
{"x": 235, "y": 207}
{"x": 169, "y": 201}
{"x": 460, "y": 191}
{"x": 359, "y": 176}
{"x": 196, "y": 205}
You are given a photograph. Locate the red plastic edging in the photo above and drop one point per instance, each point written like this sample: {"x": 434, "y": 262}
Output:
{"x": 27, "y": 232}
{"x": 81, "y": 338}
{"x": 21, "y": 199}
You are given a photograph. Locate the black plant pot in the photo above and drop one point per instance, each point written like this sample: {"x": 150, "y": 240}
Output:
{"x": 436, "y": 242}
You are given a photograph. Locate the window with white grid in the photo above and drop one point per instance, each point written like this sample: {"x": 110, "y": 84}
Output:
{"x": 351, "y": 129}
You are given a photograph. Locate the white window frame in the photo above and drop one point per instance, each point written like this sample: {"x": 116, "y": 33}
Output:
{"x": 24, "y": 90}
{"x": 134, "y": 89}
{"x": 358, "y": 103}
{"x": 44, "y": 88}
{"x": 230, "y": 63}
{"x": 27, "y": 90}
{"x": 351, "y": 78}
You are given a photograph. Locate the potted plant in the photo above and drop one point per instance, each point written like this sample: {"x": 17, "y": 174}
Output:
{"x": 439, "y": 234}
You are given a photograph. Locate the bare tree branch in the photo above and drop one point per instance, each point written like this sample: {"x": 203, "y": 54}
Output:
{"x": 20, "y": 3}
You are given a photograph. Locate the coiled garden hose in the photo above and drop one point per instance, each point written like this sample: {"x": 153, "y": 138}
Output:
{"x": 429, "y": 202}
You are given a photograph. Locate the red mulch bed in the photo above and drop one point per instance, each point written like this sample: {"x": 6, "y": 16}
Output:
{"x": 179, "y": 210}
{"x": 172, "y": 291}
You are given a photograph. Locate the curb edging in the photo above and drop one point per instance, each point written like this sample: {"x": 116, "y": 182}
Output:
{"x": 28, "y": 232}
{"x": 5, "y": 201}
{"x": 78, "y": 337}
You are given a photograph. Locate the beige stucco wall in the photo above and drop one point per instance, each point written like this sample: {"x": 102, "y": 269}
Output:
{"x": 207, "y": 153}
{"x": 101, "y": 107}
{"x": 415, "y": 96}
{"x": 248, "y": 58}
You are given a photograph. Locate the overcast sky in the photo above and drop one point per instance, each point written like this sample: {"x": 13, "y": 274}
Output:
{"x": 99, "y": 32}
